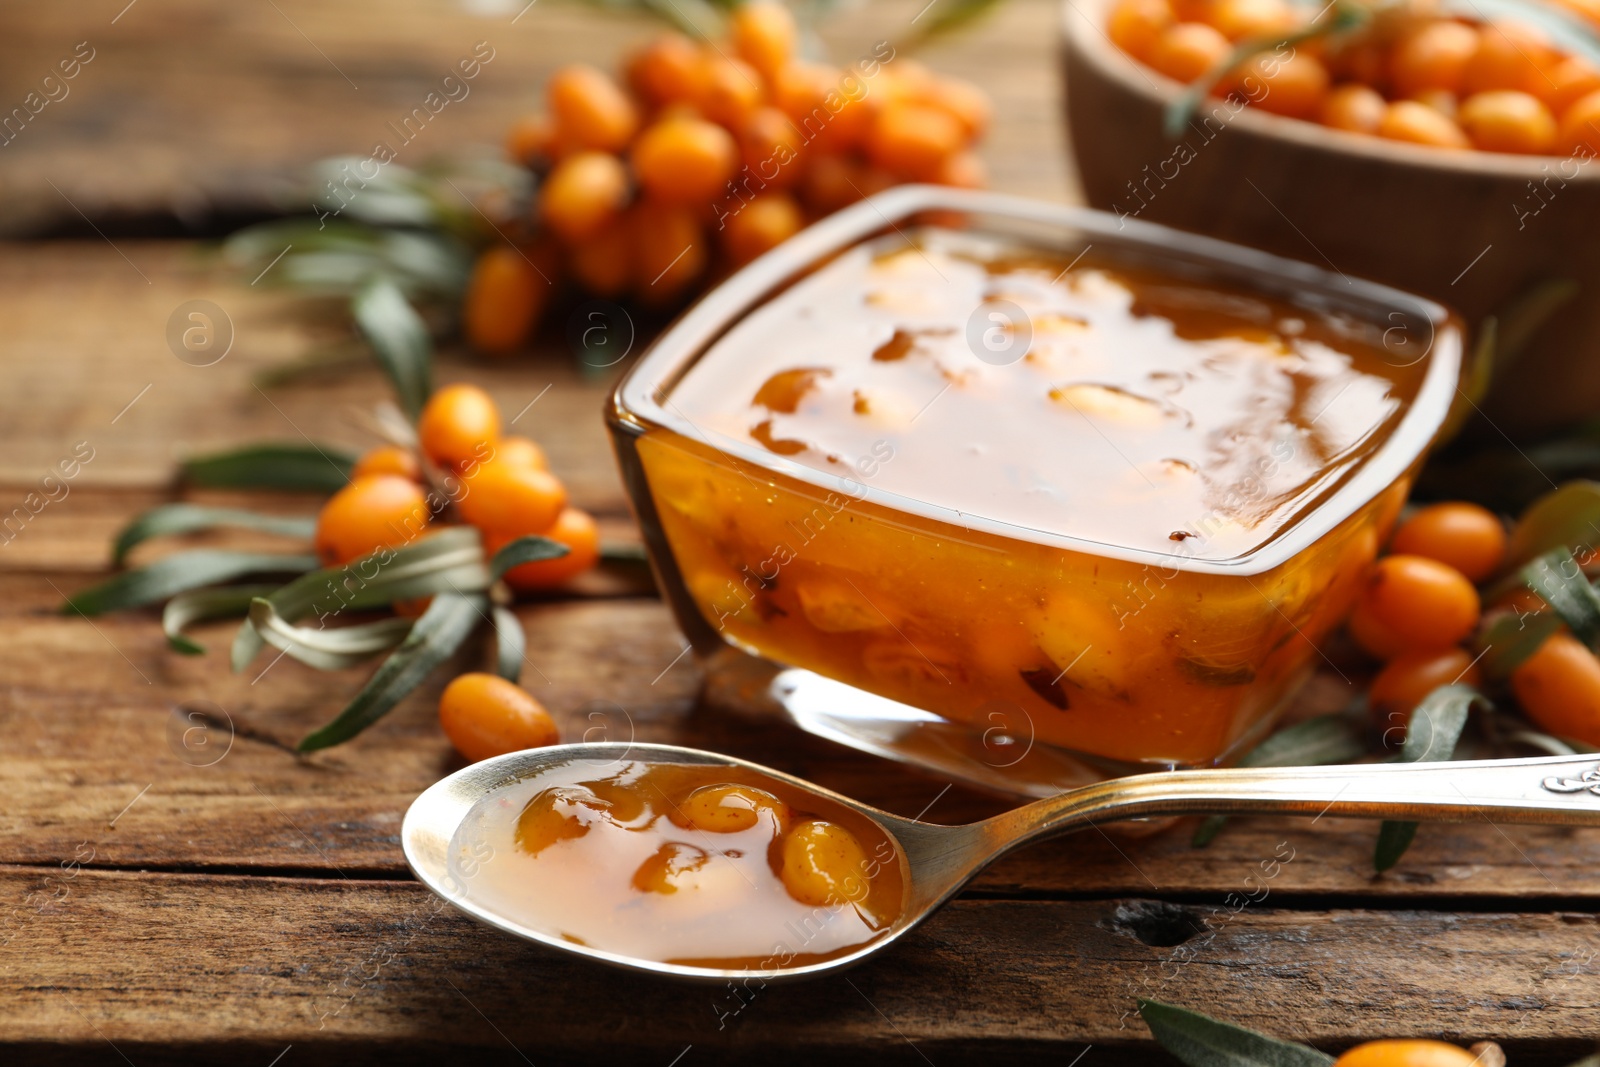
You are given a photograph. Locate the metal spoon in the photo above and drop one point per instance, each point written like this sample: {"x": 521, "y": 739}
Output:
{"x": 939, "y": 860}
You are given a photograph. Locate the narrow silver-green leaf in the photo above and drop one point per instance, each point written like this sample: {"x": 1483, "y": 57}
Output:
{"x": 197, "y": 605}
{"x": 1511, "y": 639}
{"x": 1431, "y": 735}
{"x": 170, "y": 519}
{"x": 511, "y": 645}
{"x": 1559, "y": 581}
{"x": 310, "y": 467}
{"x": 178, "y": 573}
{"x": 1567, "y": 517}
{"x": 1201, "y": 1041}
{"x": 524, "y": 550}
{"x": 1315, "y": 742}
{"x": 434, "y": 639}
{"x": 399, "y": 338}
{"x": 330, "y": 649}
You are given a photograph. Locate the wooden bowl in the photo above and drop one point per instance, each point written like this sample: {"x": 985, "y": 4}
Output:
{"x": 1473, "y": 230}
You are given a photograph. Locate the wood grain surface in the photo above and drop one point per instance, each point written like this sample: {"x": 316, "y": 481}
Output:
{"x": 177, "y": 886}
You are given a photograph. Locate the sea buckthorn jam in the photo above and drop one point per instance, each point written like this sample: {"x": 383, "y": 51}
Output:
{"x": 686, "y": 864}
{"x": 1057, "y": 473}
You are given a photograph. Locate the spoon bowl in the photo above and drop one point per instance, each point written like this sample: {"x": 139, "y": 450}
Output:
{"x": 936, "y": 860}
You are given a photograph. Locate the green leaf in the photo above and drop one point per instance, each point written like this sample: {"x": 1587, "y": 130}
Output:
{"x": 329, "y": 649}
{"x": 310, "y": 467}
{"x": 434, "y": 639}
{"x": 1315, "y": 742}
{"x": 179, "y": 573}
{"x": 1568, "y": 517}
{"x": 449, "y": 561}
{"x": 336, "y": 257}
{"x": 1511, "y": 639}
{"x": 1201, "y": 1041}
{"x": 511, "y": 645}
{"x": 198, "y": 605}
{"x": 524, "y": 550}
{"x": 399, "y": 339}
{"x": 1431, "y": 735}
{"x": 1558, "y": 579}
{"x": 187, "y": 518}
{"x": 951, "y": 15}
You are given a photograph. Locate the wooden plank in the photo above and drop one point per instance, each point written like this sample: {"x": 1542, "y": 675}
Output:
{"x": 303, "y": 80}
{"x": 178, "y": 964}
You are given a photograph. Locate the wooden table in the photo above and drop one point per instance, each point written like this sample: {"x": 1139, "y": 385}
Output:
{"x": 257, "y": 909}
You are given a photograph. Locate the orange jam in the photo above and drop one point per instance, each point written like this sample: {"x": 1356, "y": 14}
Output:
{"x": 1055, "y": 471}
{"x": 682, "y": 863}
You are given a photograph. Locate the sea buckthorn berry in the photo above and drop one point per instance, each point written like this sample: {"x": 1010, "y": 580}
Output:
{"x": 510, "y": 500}
{"x": 759, "y": 226}
{"x": 552, "y": 817}
{"x": 1508, "y": 121}
{"x": 1569, "y": 80}
{"x": 913, "y": 140}
{"x": 573, "y": 528}
{"x": 1238, "y": 19}
{"x": 685, "y": 160}
{"x": 832, "y": 182}
{"x": 832, "y": 110}
{"x": 769, "y": 146}
{"x": 484, "y": 715}
{"x": 388, "y": 459}
{"x": 1188, "y": 50}
{"x": 728, "y": 809}
{"x": 1357, "y": 108}
{"x": 962, "y": 101}
{"x": 667, "y": 866}
{"x": 531, "y": 139}
{"x": 1407, "y": 1053}
{"x": 964, "y": 170}
{"x": 669, "y": 250}
{"x": 1295, "y": 85}
{"x": 764, "y": 35}
{"x": 1434, "y": 56}
{"x": 1559, "y": 687}
{"x": 590, "y": 109}
{"x": 1580, "y": 125}
{"x": 668, "y": 70}
{"x": 1441, "y": 100}
{"x": 1407, "y": 120}
{"x": 824, "y": 864}
{"x": 1510, "y": 55}
{"x": 504, "y": 299}
{"x": 1425, "y": 603}
{"x": 459, "y": 426}
{"x": 520, "y": 452}
{"x": 1410, "y": 676}
{"x": 1376, "y": 639}
{"x": 603, "y": 263}
{"x": 1465, "y": 536}
{"x": 730, "y": 91}
{"x": 582, "y": 194}
{"x": 378, "y": 511}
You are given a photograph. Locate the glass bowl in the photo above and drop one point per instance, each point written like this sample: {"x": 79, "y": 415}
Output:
{"x": 989, "y": 592}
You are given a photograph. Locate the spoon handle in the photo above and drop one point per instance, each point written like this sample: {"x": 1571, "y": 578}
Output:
{"x": 1547, "y": 789}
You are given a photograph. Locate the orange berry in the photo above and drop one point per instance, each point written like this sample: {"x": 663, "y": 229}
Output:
{"x": 484, "y": 715}
{"x": 1441, "y": 100}
{"x": 759, "y": 226}
{"x": 1407, "y": 120}
{"x": 583, "y": 193}
{"x": 913, "y": 140}
{"x": 962, "y": 101}
{"x": 685, "y": 160}
{"x": 1425, "y": 603}
{"x": 504, "y": 298}
{"x": 590, "y": 109}
{"x": 1357, "y": 108}
{"x": 1464, "y": 536}
{"x": 1295, "y": 85}
{"x": 1238, "y": 19}
{"x": 832, "y": 110}
{"x": 1188, "y": 50}
{"x": 520, "y": 452}
{"x": 388, "y": 459}
{"x": 770, "y": 147}
{"x": 1580, "y": 125}
{"x": 459, "y": 426}
{"x": 1508, "y": 121}
{"x": 1406, "y": 1053}
{"x": 731, "y": 91}
{"x": 669, "y": 252}
{"x": 603, "y": 264}
{"x": 531, "y": 139}
{"x": 832, "y": 182}
{"x": 1559, "y": 687}
{"x": 964, "y": 170}
{"x": 1510, "y": 55}
{"x": 1134, "y": 25}
{"x": 1435, "y": 56}
{"x": 511, "y": 500}
{"x": 378, "y": 511}
{"x": 764, "y": 35}
{"x": 668, "y": 70}
{"x": 1411, "y": 676}
{"x": 1375, "y": 639}
{"x": 573, "y": 528}
{"x": 1570, "y": 79}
